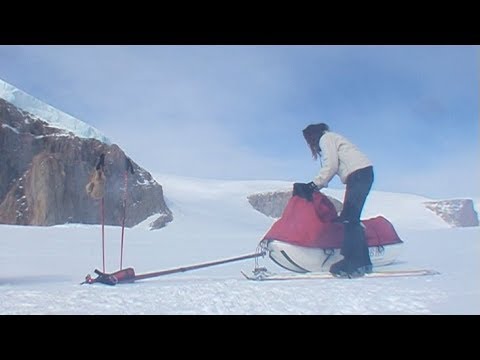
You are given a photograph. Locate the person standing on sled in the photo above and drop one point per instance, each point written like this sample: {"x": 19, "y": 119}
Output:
{"x": 340, "y": 157}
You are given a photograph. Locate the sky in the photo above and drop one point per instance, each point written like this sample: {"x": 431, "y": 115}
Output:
{"x": 236, "y": 112}
{"x": 41, "y": 267}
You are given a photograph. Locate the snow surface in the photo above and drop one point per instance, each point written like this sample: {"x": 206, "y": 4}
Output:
{"x": 49, "y": 114}
{"x": 41, "y": 267}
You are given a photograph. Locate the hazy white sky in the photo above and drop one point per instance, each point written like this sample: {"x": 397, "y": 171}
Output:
{"x": 236, "y": 112}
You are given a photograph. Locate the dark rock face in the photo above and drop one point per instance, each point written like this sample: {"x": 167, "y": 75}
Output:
{"x": 456, "y": 212}
{"x": 44, "y": 171}
{"x": 273, "y": 203}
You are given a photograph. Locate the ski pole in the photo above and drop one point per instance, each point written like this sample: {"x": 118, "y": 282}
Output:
{"x": 100, "y": 166}
{"x": 103, "y": 231}
{"x": 128, "y": 167}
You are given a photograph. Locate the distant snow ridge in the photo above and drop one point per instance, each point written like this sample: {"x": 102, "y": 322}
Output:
{"x": 49, "y": 114}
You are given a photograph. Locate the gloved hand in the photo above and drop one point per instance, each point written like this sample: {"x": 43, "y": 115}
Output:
{"x": 305, "y": 191}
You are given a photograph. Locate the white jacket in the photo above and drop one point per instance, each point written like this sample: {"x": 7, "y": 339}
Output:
{"x": 339, "y": 157}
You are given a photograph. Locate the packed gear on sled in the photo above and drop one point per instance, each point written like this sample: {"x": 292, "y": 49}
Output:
{"x": 309, "y": 234}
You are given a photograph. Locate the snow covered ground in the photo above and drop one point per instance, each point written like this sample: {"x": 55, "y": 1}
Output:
{"x": 41, "y": 267}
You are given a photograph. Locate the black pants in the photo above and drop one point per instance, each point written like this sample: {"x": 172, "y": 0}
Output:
{"x": 354, "y": 246}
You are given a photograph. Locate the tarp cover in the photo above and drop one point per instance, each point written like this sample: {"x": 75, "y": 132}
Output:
{"x": 312, "y": 224}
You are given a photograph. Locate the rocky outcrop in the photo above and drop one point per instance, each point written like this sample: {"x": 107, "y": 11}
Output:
{"x": 44, "y": 170}
{"x": 161, "y": 221}
{"x": 456, "y": 212}
{"x": 273, "y": 203}
{"x": 270, "y": 203}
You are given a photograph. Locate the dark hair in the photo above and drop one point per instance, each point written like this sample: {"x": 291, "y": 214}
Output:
{"x": 312, "y": 134}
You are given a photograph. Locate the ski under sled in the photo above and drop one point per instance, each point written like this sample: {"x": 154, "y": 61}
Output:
{"x": 262, "y": 274}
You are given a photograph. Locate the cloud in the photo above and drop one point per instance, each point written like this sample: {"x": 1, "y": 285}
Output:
{"x": 456, "y": 175}
{"x": 238, "y": 111}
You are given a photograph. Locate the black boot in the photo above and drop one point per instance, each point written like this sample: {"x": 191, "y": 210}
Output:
{"x": 356, "y": 261}
{"x": 347, "y": 269}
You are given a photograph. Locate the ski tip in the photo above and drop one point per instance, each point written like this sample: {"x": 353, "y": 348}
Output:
{"x": 243, "y": 273}
{"x": 248, "y": 277}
